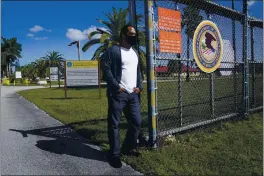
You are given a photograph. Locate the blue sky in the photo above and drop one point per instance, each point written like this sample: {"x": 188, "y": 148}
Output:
{"x": 45, "y": 26}
{"x": 56, "y": 18}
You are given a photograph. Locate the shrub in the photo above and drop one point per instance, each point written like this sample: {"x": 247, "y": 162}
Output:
{"x": 6, "y": 82}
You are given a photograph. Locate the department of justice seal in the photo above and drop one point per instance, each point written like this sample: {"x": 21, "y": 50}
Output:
{"x": 207, "y": 46}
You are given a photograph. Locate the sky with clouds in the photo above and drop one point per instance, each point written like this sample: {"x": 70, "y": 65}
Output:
{"x": 43, "y": 26}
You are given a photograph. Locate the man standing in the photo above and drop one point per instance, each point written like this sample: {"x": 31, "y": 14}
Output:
{"x": 124, "y": 83}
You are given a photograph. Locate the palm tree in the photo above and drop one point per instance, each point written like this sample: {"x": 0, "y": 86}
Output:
{"x": 10, "y": 52}
{"x": 41, "y": 66}
{"x": 29, "y": 71}
{"x": 24, "y": 71}
{"x": 190, "y": 19}
{"x": 53, "y": 58}
{"x": 111, "y": 35}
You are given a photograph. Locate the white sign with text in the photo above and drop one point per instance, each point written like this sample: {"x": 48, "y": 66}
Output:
{"x": 18, "y": 74}
{"x": 54, "y": 73}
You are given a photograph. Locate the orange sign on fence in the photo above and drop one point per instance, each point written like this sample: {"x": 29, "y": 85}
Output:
{"x": 170, "y": 42}
{"x": 169, "y": 19}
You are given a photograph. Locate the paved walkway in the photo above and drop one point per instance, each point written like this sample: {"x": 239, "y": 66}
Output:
{"x": 33, "y": 143}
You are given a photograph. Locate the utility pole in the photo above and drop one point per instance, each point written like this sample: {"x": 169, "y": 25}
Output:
{"x": 78, "y": 45}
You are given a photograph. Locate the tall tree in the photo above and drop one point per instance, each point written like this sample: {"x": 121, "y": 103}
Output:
{"x": 53, "y": 58}
{"x": 41, "y": 66}
{"x": 111, "y": 36}
{"x": 29, "y": 71}
{"x": 10, "y": 52}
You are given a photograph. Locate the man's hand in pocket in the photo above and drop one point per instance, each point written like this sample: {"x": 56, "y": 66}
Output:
{"x": 136, "y": 90}
{"x": 121, "y": 89}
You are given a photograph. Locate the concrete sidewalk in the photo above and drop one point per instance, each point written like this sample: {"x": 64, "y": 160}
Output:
{"x": 33, "y": 143}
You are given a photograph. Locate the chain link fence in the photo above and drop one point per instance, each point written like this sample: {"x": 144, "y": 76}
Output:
{"x": 187, "y": 97}
{"x": 255, "y": 68}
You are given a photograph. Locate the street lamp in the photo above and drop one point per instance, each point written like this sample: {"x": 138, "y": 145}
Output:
{"x": 78, "y": 46}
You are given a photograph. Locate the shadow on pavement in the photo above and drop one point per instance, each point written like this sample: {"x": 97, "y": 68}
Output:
{"x": 66, "y": 142}
{"x": 63, "y": 131}
{"x": 71, "y": 147}
{"x": 75, "y": 143}
{"x": 66, "y": 131}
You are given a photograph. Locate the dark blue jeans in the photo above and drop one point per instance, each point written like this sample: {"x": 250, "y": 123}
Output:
{"x": 130, "y": 105}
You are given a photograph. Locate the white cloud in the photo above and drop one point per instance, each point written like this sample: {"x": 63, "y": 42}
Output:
{"x": 38, "y": 28}
{"x": 41, "y": 38}
{"x": 30, "y": 35}
{"x": 251, "y": 2}
{"x": 76, "y": 34}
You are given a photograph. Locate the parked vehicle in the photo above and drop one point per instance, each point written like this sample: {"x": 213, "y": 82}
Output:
{"x": 42, "y": 82}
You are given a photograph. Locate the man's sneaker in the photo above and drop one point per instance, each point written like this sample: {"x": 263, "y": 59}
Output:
{"x": 115, "y": 162}
{"x": 131, "y": 153}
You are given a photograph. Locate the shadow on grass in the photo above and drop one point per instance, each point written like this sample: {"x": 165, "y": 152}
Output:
{"x": 98, "y": 135}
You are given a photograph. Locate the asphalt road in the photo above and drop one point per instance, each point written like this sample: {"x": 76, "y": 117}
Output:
{"x": 33, "y": 143}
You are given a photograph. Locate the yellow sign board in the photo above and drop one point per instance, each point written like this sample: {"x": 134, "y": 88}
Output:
{"x": 82, "y": 73}
{"x": 81, "y": 64}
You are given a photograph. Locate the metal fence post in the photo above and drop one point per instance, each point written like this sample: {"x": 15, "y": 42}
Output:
{"x": 180, "y": 92}
{"x": 245, "y": 59}
{"x": 132, "y": 14}
{"x": 211, "y": 78}
{"x": 152, "y": 121}
{"x": 212, "y": 95}
{"x": 235, "y": 59}
{"x": 253, "y": 68}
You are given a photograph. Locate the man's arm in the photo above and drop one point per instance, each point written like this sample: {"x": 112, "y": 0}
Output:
{"x": 111, "y": 81}
{"x": 139, "y": 78}
{"x": 139, "y": 84}
{"x": 139, "y": 87}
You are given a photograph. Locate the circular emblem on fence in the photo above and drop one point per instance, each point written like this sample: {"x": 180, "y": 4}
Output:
{"x": 207, "y": 46}
{"x": 69, "y": 64}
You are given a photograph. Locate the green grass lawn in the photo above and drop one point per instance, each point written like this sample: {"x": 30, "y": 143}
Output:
{"x": 85, "y": 105}
{"x": 55, "y": 83}
{"x": 235, "y": 149}
{"x": 35, "y": 84}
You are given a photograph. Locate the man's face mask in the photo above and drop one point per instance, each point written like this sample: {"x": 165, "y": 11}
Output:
{"x": 132, "y": 40}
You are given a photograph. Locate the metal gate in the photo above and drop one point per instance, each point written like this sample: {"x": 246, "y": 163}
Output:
{"x": 180, "y": 95}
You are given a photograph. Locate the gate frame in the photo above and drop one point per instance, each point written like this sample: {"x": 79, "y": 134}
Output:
{"x": 151, "y": 81}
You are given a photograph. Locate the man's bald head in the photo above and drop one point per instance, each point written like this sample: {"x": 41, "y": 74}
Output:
{"x": 127, "y": 30}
